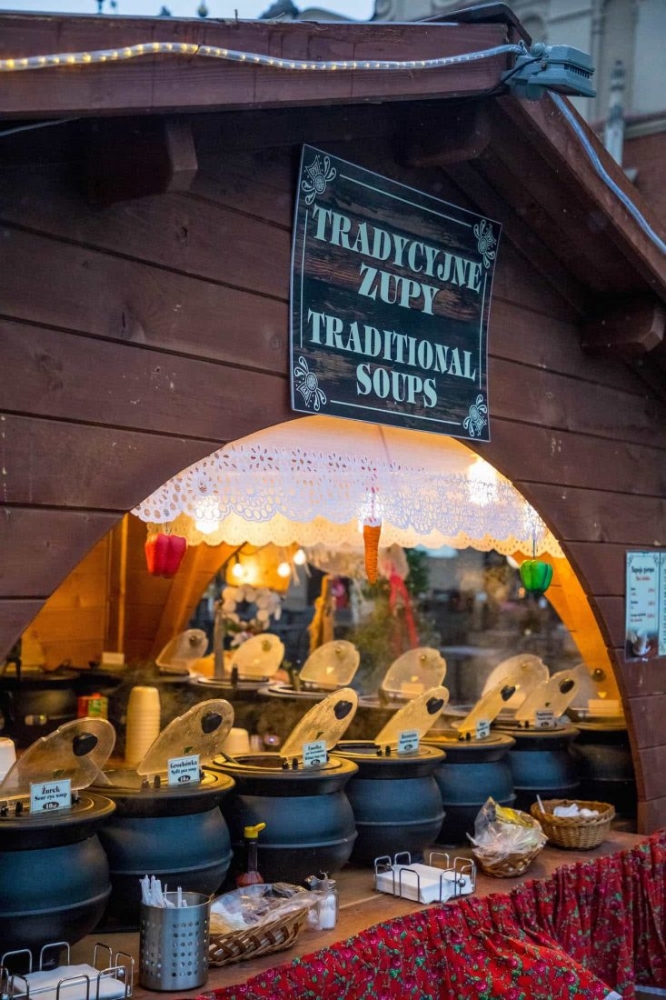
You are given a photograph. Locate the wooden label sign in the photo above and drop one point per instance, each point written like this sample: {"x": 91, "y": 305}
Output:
{"x": 390, "y": 301}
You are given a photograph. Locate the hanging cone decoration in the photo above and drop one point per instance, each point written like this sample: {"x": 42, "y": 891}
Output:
{"x": 371, "y": 532}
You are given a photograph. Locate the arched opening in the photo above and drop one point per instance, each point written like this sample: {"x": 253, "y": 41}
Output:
{"x": 110, "y": 601}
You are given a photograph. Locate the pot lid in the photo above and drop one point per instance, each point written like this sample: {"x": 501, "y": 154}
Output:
{"x": 533, "y": 671}
{"x": 555, "y": 696}
{"x": 332, "y": 665}
{"x": 416, "y": 671}
{"x": 35, "y": 677}
{"x": 326, "y": 721}
{"x": 259, "y": 657}
{"x": 200, "y": 731}
{"x": 282, "y": 689}
{"x": 418, "y": 715}
{"x": 490, "y": 704}
{"x": 452, "y": 739}
{"x": 182, "y": 652}
{"x": 76, "y": 752}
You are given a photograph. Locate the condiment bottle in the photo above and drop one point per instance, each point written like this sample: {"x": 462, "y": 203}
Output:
{"x": 329, "y": 904}
{"x": 251, "y": 876}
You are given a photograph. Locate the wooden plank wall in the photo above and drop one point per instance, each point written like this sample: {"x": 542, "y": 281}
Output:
{"x": 136, "y": 339}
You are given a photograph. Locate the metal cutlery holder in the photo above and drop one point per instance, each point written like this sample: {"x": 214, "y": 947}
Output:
{"x": 173, "y": 947}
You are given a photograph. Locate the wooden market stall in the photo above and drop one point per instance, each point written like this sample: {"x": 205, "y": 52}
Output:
{"x": 146, "y": 211}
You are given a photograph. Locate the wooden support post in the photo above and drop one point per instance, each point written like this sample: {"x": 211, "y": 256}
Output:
{"x": 201, "y": 563}
{"x": 630, "y": 327}
{"x": 134, "y": 159}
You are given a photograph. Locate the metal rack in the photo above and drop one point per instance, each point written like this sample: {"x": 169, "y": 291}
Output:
{"x": 425, "y": 883}
{"x": 113, "y": 981}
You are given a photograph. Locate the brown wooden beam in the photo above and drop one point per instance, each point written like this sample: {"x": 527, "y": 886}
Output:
{"x": 463, "y": 136}
{"x": 127, "y": 160}
{"x": 200, "y": 565}
{"x": 630, "y": 327}
{"x": 552, "y": 137}
{"x": 477, "y": 188}
{"x": 187, "y": 83}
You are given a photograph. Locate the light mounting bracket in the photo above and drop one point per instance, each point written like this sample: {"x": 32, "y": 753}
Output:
{"x": 561, "y": 68}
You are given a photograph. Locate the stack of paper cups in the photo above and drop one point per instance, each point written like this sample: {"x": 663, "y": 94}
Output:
{"x": 7, "y": 755}
{"x": 143, "y": 722}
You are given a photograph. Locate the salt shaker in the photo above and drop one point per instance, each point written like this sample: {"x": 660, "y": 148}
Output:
{"x": 328, "y": 905}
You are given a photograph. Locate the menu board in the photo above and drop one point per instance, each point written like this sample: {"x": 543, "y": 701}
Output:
{"x": 645, "y": 619}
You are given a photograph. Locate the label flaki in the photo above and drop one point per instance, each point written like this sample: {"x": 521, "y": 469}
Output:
{"x": 49, "y": 796}
{"x": 184, "y": 770}
{"x": 314, "y": 754}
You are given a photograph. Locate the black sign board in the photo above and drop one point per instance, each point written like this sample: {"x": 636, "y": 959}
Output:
{"x": 390, "y": 302}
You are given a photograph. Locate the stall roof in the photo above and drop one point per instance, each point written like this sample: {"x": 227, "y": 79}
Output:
{"x": 523, "y": 156}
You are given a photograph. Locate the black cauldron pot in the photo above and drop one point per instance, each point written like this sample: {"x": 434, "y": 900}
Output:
{"x": 542, "y": 764}
{"x": 396, "y": 802}
{"x": 309, "y": 821}
{"x": 177, "y": 834}
{"x": 54, "y": 875}
{"x": 603, "y": 756}
{"x": 36, "y": 703}
{"x": 473, "y": 771}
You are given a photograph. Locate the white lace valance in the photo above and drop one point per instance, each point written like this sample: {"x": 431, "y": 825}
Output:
{"x": 312, "y": 481}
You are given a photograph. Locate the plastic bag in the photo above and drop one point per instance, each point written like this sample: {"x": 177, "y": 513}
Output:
{"x": 255, "y": 905}
{"x": 500, "y": 832}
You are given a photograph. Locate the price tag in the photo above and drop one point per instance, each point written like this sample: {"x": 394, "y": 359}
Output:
{"x": 314, "y": 754}
{"x": 482, "y": 729}
{"x": 47, "y": 796}
{"x": 184, "y": 770}
{"x": 408, "y": 741}
{"x": 545, "y": 719}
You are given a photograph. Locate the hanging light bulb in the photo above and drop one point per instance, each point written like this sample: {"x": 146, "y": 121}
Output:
{"x": 482, "y": 484}
{"x": 237, "y": 570}
{"x": 206, "y": 520}
{"x": 284, "y": 570}
{"x": 300, "y": 557}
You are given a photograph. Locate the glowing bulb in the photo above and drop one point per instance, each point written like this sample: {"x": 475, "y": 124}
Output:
{"x": 205, "y": 520}
{"x": 207, "y": 525}
{"x": 237, "y": 571}
{"x": 482, "y": 483}
{"x": 300, "y": 557}
{"x": 284, "y": 570}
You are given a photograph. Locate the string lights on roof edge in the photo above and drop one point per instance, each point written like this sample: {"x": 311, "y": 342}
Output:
{"x": 62, "y": 60}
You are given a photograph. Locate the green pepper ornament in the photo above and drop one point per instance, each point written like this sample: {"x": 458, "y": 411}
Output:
{"x": 536, "y": 576}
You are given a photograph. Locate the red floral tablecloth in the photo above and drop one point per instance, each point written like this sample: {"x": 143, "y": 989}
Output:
{"x": 592, "y": 927}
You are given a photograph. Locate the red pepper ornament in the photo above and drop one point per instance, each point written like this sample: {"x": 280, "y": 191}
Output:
{"x": 164, "y": 554}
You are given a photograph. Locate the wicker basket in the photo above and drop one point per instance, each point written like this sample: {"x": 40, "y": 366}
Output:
{"x": 251, "y": 942}
{"x": 574, "y": 832}
{"x": 509, "y": 866}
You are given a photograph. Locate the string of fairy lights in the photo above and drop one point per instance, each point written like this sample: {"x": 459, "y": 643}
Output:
{"x": 63, "y": 60}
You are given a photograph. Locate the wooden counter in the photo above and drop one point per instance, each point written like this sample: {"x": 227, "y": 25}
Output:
{"x": 360, "y": 908}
